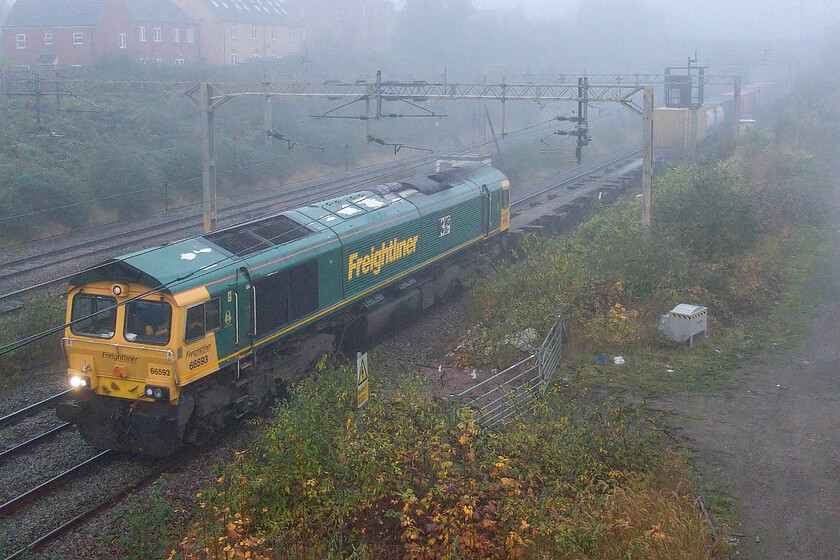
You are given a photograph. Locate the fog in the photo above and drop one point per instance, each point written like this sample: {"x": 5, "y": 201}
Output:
{"x": 576, "y": 36}
{"x": 712, "y": 19}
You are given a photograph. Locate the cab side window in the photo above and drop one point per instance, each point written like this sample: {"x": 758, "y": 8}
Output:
{"x": 202, "y": 319}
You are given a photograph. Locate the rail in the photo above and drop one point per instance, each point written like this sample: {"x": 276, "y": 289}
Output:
{"x": 31, "y": 409}
{"x": 582, "y": 175}
{"x": 516, "y": 389}
{"x": 67, "y": 475}
{"x": 65, "y": 527}
{"x": 30, "y": 442}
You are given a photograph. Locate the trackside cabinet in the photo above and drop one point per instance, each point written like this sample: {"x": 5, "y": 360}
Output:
{"x": 683, "y": 322}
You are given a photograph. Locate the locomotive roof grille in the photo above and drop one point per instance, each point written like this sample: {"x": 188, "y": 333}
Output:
{"x": 437, "y": 182}
{"x": 254, "y": 237}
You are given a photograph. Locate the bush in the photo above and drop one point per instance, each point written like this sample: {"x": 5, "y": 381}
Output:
{"x": 569, "y": 482}
{"x": 705, "y": 212}
{"x": 720, "y": 237}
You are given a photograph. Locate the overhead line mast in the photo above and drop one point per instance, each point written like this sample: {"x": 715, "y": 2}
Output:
{"x": 582, "y": 93}
{"x": 614, "y": 88}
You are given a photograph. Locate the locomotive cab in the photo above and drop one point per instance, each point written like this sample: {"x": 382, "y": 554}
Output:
{"x": 121, "y": 348}
{"x": 121, "y": 355}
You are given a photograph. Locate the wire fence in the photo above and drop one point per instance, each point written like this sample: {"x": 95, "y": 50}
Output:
{"x": 515, "y": 390}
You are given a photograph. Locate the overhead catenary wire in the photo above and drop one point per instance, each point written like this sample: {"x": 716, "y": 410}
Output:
{"x": 197, "y": 178}
{"x": 205, "y": 270}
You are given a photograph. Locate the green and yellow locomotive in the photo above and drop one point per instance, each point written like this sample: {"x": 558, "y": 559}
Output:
{"x": 168, "y": 344}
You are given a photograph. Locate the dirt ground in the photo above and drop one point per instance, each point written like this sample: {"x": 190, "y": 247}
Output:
{"x": 775, "y": 439}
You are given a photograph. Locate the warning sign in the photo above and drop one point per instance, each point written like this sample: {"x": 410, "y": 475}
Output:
{"x": 361, "y": 379}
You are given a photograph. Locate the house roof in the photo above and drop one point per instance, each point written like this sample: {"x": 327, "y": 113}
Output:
{"x": 80, "y": 13}
{"x": 157, "y": 10}
{"x": 55, "y": 13}
{"x": 265, "y": 12}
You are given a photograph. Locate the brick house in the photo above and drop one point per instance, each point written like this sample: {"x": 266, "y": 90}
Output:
{"x": 235, "y": 31}
{"x": 77, "y": 32}
{"x": 160, "y": 31}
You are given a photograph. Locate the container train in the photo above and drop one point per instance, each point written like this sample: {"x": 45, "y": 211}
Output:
{"x": 166, "y": 345}
{"x": 680, "y": 129}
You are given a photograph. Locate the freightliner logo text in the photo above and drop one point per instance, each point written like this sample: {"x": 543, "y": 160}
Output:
{"x": 119, "y": 357}
{"x": 377, "y": 258}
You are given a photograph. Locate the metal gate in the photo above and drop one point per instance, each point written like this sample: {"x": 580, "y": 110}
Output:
{"x": 516, "y": 389}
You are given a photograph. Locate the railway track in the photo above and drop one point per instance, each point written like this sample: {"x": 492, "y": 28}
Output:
{"x": 56, "y": 263}
{"x": 568, "y": 185}
{"x": 57, "y": 481}
{"x": 79, "y": 507}
{"x": 29, "y": 442}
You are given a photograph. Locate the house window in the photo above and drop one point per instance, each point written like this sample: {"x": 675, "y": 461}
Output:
{"x": 190, "y": 36}
{"x": 293, "y": 34}
{"x": 78, "y": 38}
{"x": 179, "y": 62}
{"x": 48, "y": 38}
{"x": 142, "y": 31}
{"x": 123, "y": 41}
{"x": 177, "y": 35}
{"x": 233, "y": 32}
{"x": 273, "y": 33}
{"x": 253, "y": 33}
{"x": 255, "y": 55}
{"x": 233, "y": 58}
{"x": 21, "y": 41}
{"x": 158, "y": 36}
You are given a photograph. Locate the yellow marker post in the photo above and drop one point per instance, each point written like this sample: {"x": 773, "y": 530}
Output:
{"x": 361, "y": 379}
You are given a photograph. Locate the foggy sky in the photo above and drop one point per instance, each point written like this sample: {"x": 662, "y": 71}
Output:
{"x": 711, "y": 19}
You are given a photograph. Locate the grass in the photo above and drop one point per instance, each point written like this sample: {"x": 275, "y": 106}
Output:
{"x": 38, "y": 314}
{"x": 586, "y": 476}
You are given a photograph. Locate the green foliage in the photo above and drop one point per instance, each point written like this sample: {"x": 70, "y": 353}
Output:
{"x": 144, "y": 533}
{"x": 703, "y": 211}
{"x": 406, "y": 482}
{"x": 724, "y": 237}
{"x": 39, "y": 314}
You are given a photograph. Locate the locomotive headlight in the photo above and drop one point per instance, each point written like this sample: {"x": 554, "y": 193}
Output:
{"x": 157, "y": 393}
{"x": 79, "y": 381}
